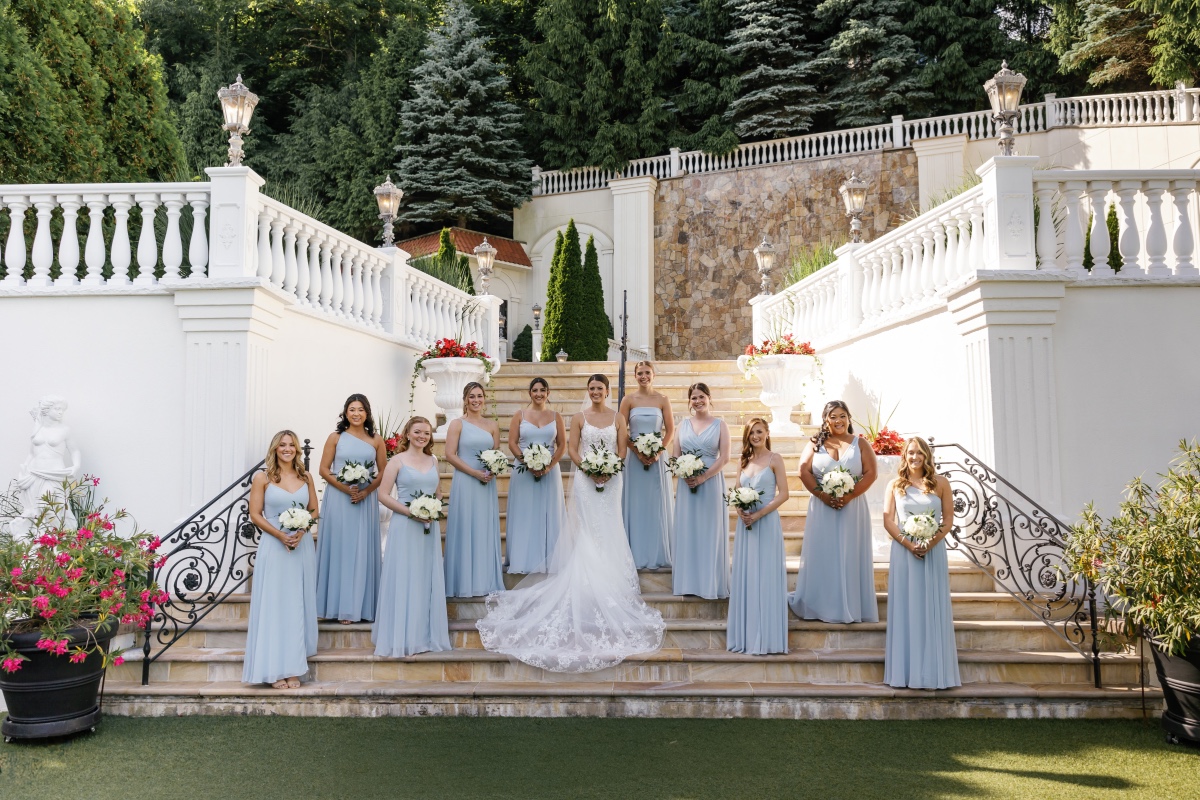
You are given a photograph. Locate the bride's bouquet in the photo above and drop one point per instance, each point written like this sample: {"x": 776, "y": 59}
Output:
{"x": 534, "y": 458}
{"x": 494, "y": 462}
{"x": 296, "y": 518}
{"x": 426, "y": 508}
{"x": 649, "y": 444}
{"x": 687, "y": 465}
{"x": 600, "y": 461}
{"x": 920, "y": 528}
{"x": 838, "y": 482}
{"x": 743, "y": 498}
{"x": 355, "y": 473}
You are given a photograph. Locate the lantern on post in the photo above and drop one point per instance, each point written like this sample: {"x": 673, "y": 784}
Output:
{"x": 854, "y": 195}
{"x": 485, "y": 256}
{"x": 560, "y": 356}
{"x": 237, "y": 105}
{"x": 764, "y": 254}
{"x": 537, "y": 317}
{"x": 1004, "y": 92}
{"x": 387, "y": 198}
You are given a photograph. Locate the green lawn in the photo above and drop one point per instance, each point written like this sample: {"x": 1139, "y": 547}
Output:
{"x": 261, "y": 758}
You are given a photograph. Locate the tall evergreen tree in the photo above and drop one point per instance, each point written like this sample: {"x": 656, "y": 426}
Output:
{"x": 460, "y": 159}
{"x": 777, "y": 91}
{"x": 1176, "y": 38}
{"x": 554, "y": 336}
{"x": 869, "y": 61}
{"x": 30, "y": 107}
{"x": 704, "y": 79}
{"x": 1108, "y": 40}
{"x": 959, "y": 45}
{"x": 594, "y": 322}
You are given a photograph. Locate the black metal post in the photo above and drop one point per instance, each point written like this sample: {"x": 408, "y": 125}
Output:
{"x": 1095, "y": 638}
{"x": 307, "y": 452}
{"x": 146, "y": 652}
{"x": 624, "y": 345}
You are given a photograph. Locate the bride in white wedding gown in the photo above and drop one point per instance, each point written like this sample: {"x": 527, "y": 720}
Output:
{"x": 586, "y": 613}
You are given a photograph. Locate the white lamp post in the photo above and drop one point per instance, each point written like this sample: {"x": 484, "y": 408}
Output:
{"x": 1004, "y": 92}
{"x": 854, "y": 195}
{"x": 560, "y": 356}
{"x": 764, "y": 254}
{"x": 237, "y": 104}
{"x": 537, "y": 317}
{"x": 388, "y": 197}
{"x": 485, "y": 256}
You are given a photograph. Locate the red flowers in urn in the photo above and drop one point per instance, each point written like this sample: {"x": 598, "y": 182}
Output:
{"x": 887, "y": 442}
{"x": 785, "y": 345}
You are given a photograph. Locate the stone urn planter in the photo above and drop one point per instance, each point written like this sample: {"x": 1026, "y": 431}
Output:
{"x": 783, "y": 378}
{"x": 1179, "y": 677}
{"x": 450, "y": 376}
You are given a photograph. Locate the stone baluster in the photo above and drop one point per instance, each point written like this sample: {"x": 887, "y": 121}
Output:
{"x": 172, "y": 253}
{"x": 1184, "y": 242}
{"x": 416, "y": 309}
{"x": 963, "y": 263}
{"x": 93, "y": 248}
{"x": 975, "y": 253}
{"x": 326, "y": 282}
{"x": 1047, "y": 237}
{"x": 338, "y": 297}
{"x": 1073, "y": 226}
{"x": 314, "y": 269}
{"x": 264, "y": 245}
{"x": 122, "y": 255}
{"x": 68, "y": 245}
{"x": 377, "y": 295}
{"x": 359, "y": 294}
{"x": 347, "y": 285}
{"x": 910, "y": 257}
{"x": 928, "y": 278}
{"x": 1156, "y": 233}
{"x": 278, "y": 260}
{"x": 869, "y": 287}
{"x": 883, "y": 286}
{"x": 950, "y": 260}
{"x": 198, "y": 246}
{"x": 43, "y": 245}
{"x": 938, "y": 272}
{"x": 147, "y": 249}
{"x": 303, "y": 236}
{"x": 368, "y": 306}
{"x": 289, "y": 257}
{"x": 1098, "y": 240}
{"x": 1128, "y": 241}
{"x": 14, "y": 248}
{"x": 895, "y": 297}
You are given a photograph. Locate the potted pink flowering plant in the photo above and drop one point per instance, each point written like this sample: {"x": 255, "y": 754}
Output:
{"x": 65, "y": 588}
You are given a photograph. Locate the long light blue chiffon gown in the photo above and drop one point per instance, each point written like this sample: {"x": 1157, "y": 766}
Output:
{"x": 701, "y": 530}
{"x": 921, "y": 652}
{"x": 647, "y": 502}
{"x": 412, "y": 590}
{"x": 535, "y": 507}
{"x": 836, "y": 581}
{"x": 349, "y": 551}
{"x": 758, "y": 602}
{"x": 283, "y": 599}
{"x": 473, "y": 524}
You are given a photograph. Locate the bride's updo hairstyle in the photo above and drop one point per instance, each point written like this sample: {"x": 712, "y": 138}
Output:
{"x": 467, "y": 392}
{"x": 272, "y": 459}
{"x": 405, "y": 443}
{"x": 823, "y": 434}
{"x": 928, "y": 480}
{"x": 598, "y": 377}
{"x": 747, "y": 448}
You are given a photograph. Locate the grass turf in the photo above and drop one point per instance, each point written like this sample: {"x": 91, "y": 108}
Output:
{"x": 263, "y": 758}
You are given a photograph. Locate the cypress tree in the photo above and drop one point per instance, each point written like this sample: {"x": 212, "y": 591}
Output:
{"x": 594, "y": 322}
{"x": 553, "y": 332}
{"x": 522, "y": 349}
{"x": 30, "y": 105}
{"x": 461, "y": 159}
{"x": 449, "y": 262}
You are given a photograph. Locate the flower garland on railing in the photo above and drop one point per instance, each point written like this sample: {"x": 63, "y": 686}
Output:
{"x": 448, "y": 348}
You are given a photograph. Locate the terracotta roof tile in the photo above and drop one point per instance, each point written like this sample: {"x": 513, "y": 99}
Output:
{"x": 508, "y": 251}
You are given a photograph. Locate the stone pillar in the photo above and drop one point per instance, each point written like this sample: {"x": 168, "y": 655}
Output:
{"x": 1008, "y": 213}
{"x": 1007, "y": 325}
{"x": 229, "y": 334}
{"x": 233, "y": 224}
{"x": 850, "y": 286}
{"x": 537, "y": 344}
{"x": 491, "y": 323}
{"x": 633, "y": 254}
{"x": 940, "y": 166}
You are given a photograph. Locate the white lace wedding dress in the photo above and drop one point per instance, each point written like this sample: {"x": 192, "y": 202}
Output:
{"x": 586, "y": 613}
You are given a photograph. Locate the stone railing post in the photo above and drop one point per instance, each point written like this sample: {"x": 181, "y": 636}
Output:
{"x": 1183, "y": 105}
{"x": 850, "y": 286}
{"x": 758, "y": 326}
{"x": 633, "y": 253}
{"x": 1051, "y": 111}
{"x": 676, "y": 163}
{"x": 537, "y": 344}
{"x": 537, "y": 181}
{"x": 1008, "y": 213}
{"x": 490, "y": 306}
{"x": 233, "y": 224}
{"x": 898, "y": 131}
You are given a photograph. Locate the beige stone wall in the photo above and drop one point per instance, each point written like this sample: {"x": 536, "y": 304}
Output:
{"x": 706, "y": 227}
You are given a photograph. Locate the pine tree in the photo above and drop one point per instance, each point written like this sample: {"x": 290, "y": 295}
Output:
{"x": 959, "y": 45}
{"x": 554, "y": 330}
{"x": 704, "y": 78}
{"x": 868, "y": 60}
{"x": 594, "y": 322}
{"x": 460, "y": 159}
{"x": 1108, "y": 40}
{"x": 522, "y": 349}
{"x": 777, "y": 92}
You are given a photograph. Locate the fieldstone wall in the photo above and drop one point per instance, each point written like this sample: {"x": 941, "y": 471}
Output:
{"x": 707, "y": 226}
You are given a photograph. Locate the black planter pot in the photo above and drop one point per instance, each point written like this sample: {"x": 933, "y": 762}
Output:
{"x": 1180, "y": 680}
{"x": 50, "y": 696}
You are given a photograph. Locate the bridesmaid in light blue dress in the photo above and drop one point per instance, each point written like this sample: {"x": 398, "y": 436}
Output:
{"x": 701, "y": 545}
{"x": 647, "y": 501}
{"x": 836, "y": 581}
{"x": 349, "y": 550}
{"x": 758, "y": 612}
{"x": 921, "y": 652}
{"x": 535, "y": 499}
{"x": 283, "y": 598}
{"x": 473, "y": 566}
{"x": 412, "y": 591}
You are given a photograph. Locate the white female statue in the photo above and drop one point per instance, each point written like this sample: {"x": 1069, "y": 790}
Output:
{"x": 53, "y": 457}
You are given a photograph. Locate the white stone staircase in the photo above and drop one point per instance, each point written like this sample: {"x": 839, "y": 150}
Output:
{"x": 1011, "y": 663}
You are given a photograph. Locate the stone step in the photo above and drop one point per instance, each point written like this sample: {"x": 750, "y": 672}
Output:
{"x": 599, "y": 698}
{"x": 672, "y": 384}
{"x": 582, "y": 369}
{"x": 682, "y": 665}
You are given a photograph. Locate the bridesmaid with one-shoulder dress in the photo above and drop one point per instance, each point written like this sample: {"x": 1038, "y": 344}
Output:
{"x": 836, "y": 580}
{"x": 646, "y": 504}
{"x": 757, "y": 623}
{"x": 535, "y": 498}
{"x": 921, "y": 652}
{"x": 411, "y": 617}
{"x": 473, "y": 565}
{"x": 282, "y": 632}
{"x": 349, "y": 548}
{"x": 701, "y": 545}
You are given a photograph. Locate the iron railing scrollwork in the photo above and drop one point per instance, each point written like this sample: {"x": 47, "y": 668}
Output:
{"x": 209, "y": 556}
{"x": 1021, "y": 544}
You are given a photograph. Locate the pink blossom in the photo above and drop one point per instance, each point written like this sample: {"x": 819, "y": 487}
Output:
{"x": 119, "y": 660}
{"x": 12, "y": 664}
{"x": 78, "y": 657}
{"x": 58, "y": 648}
{"x": 75, "y": 573}
{"x": 84, "y": 534}
{"x": 106, "y": 593}
{"x": 47, "y": 540}
{"x": 58, "y": 591}
{"x": 63, "y": 559}
{"x": 49, "y": 612}
{"x": 17, "y": 572}
{"x": 40, "y": 580}
{"x": 41, "y": 602}
{"x": 119, "y": 574}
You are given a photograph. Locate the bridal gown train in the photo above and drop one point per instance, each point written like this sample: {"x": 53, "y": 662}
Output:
{"x": 587, "y": 612}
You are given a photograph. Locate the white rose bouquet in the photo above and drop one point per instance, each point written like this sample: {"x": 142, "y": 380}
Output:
{"x": 649, "y": 444}
{"x": 494, "y": 462}
{"x": 354, "y": 473}
{"x": 601, "y": 461}
{"x": 743, "y": 498}
{"x": 920, "y": 528}
{"x": 687, "y": 465}
{"x": 426, "y": 508}
{"x": 534, "y": 458}
{"x": 838, "y": 482}
{"x": 296, "y": 518}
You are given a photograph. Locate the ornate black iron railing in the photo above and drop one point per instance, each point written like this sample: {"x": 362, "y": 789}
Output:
{"x": 209, "y": 556}
{"x": 1007, "y": 533}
